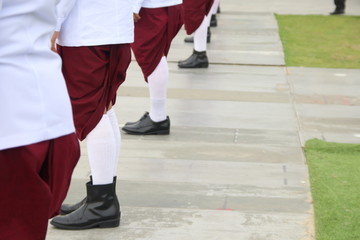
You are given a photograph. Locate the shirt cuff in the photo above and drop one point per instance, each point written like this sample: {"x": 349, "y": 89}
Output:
{"x": 136, "y": 9}
{"x": 59, "y": 23}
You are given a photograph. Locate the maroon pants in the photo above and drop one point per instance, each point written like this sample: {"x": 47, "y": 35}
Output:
{"x": 194, "y": 13}
{"x": 93, "y": 75}
{"x": 34, "y": 181}
{"x": 154, "y": 33}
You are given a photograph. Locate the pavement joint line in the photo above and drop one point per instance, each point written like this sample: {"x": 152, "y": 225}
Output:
{"x": 241, "y": 64}
{"x": 296, "y": 112}
{"x": 237, "y": 132}
{"x": 285, "y": 181}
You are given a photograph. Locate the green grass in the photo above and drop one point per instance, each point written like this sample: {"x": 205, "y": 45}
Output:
{"x": 335, "y": 185}
{"x": 320, "y": 41}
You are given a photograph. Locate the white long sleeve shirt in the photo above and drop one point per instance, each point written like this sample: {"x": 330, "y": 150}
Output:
{"x": 138, "y": 4}
{"x": 34, "y": 102}
{"x": 95, "y": 22}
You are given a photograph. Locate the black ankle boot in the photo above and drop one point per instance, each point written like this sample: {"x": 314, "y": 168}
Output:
{"x": 69, "y": 208}
{"x": 101, "y": 209}
{"x": 338, "y": 11}
{"x": 196, "y": 60}
{"x": 191, "y": 38}
{"x": 213, "y": 21}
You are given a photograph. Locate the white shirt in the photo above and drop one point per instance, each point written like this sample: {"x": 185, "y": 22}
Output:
{"x": 95, "y": 22}
{"x": 34, "y": 102}
{"x": 138, "y": 4}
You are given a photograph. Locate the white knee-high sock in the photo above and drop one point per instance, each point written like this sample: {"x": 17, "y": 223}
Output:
{"x": 200, "y": 35}
{"x": 215, "y": 7}
{"x": 116, "y": 130}
{"x": 158, "y": 82}
{"x": 101, "y": 152}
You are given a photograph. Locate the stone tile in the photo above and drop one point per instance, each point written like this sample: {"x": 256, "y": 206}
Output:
{"x": 216, "y": 114}
{"x": 179, "y": 224}
{"x": 340, "y": 83}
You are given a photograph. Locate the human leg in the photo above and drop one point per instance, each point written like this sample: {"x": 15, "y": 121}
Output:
{"x": 156, "y": 121}
{"x": 152, "y": 47}
{"x": 103, "y": 149}
{"x": 199, "y": 58}
{"x": 340, "y": 7}
{"x": 35, "y": 179}
{"x": 158, "y": 82}
{"x": 25, "y": 208}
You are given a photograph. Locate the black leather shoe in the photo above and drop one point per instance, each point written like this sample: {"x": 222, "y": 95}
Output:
{"x": 213, "y": 21}
{"x": 146, "y": 126}
{"x": 69, "y": 208}
{"x": 101, "y": 210}
{"x": 338, "y": 11}
{"x": 191, "y": 38}
{"x": 196, "y": 60}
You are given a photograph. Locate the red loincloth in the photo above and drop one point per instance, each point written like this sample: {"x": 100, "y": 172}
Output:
{"x": 93, "y": 75}
{"x": 154, "y": 33}
{"x": 34, "y": 181}
{"x": 194, "y": 13}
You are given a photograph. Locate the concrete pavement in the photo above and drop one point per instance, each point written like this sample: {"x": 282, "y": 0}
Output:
{"x": 233, "y": 166}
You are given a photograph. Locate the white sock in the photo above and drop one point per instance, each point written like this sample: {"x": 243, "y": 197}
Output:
{"x": 158, "y": 81}
{"x": 215, "y": 7}
{"x": 116, "y": 130}
{"x": 101, "y": 152}
{"x": 200, "y": 36}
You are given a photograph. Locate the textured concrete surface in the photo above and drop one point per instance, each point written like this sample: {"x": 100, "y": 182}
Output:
{"x": 233, "y": 166}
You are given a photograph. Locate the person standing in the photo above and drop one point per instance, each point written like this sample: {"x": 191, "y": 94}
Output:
{"x": 156, "y": 24}
{"x": 94, "y": 43}
{"x": 212, "y": 23}
{"x": 38, "y": 146}
{"x": 340, "y": 7}
{"x": 196, "y": 20}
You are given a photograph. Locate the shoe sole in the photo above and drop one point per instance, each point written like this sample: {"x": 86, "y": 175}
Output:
{"x": 162, "y": 132}
{"x": 193, "y": 41}
{"x": 198, "y": 66}
{"x": 104, "y": 224}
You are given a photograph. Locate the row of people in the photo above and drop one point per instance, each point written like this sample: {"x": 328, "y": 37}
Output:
{"x": 48, "y": 107}
{"x": 198, "y": 17}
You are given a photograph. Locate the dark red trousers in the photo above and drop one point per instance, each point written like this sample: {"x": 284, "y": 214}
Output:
{"x": 154, "y": 33}
{"x": 194, "y": 13}
{"x": 93, "y": 75}
{"x": 34, "y": 181}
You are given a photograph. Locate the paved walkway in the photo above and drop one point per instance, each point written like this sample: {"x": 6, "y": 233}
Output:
{"x": 233, "y": 166}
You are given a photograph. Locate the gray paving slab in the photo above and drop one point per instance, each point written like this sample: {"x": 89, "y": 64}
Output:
{"x": 327, "y": 103}
{"x": 329, "y": 122}
{"x": 217, "y": 114}
{"x": 342, "y": 85}
{"x": 179, "y": 224}
{"x": 214, "y": 151}
{"x": 253, "y": 79}
{"x": 235, "y": 196}
{"x": 323, "y": 7}
{"x": 196, "y": 171}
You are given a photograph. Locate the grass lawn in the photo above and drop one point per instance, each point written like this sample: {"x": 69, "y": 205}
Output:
{"x": 335, "y": 185}
{"x": 320, "y": 41}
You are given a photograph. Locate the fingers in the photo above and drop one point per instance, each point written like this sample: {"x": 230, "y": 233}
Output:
{"x": 53, "y": 41}
{"x": 136, "y": 17}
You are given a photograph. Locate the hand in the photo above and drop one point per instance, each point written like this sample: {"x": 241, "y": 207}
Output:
{"x": 136, "y": 17}
{"x": 53, "y": 41}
